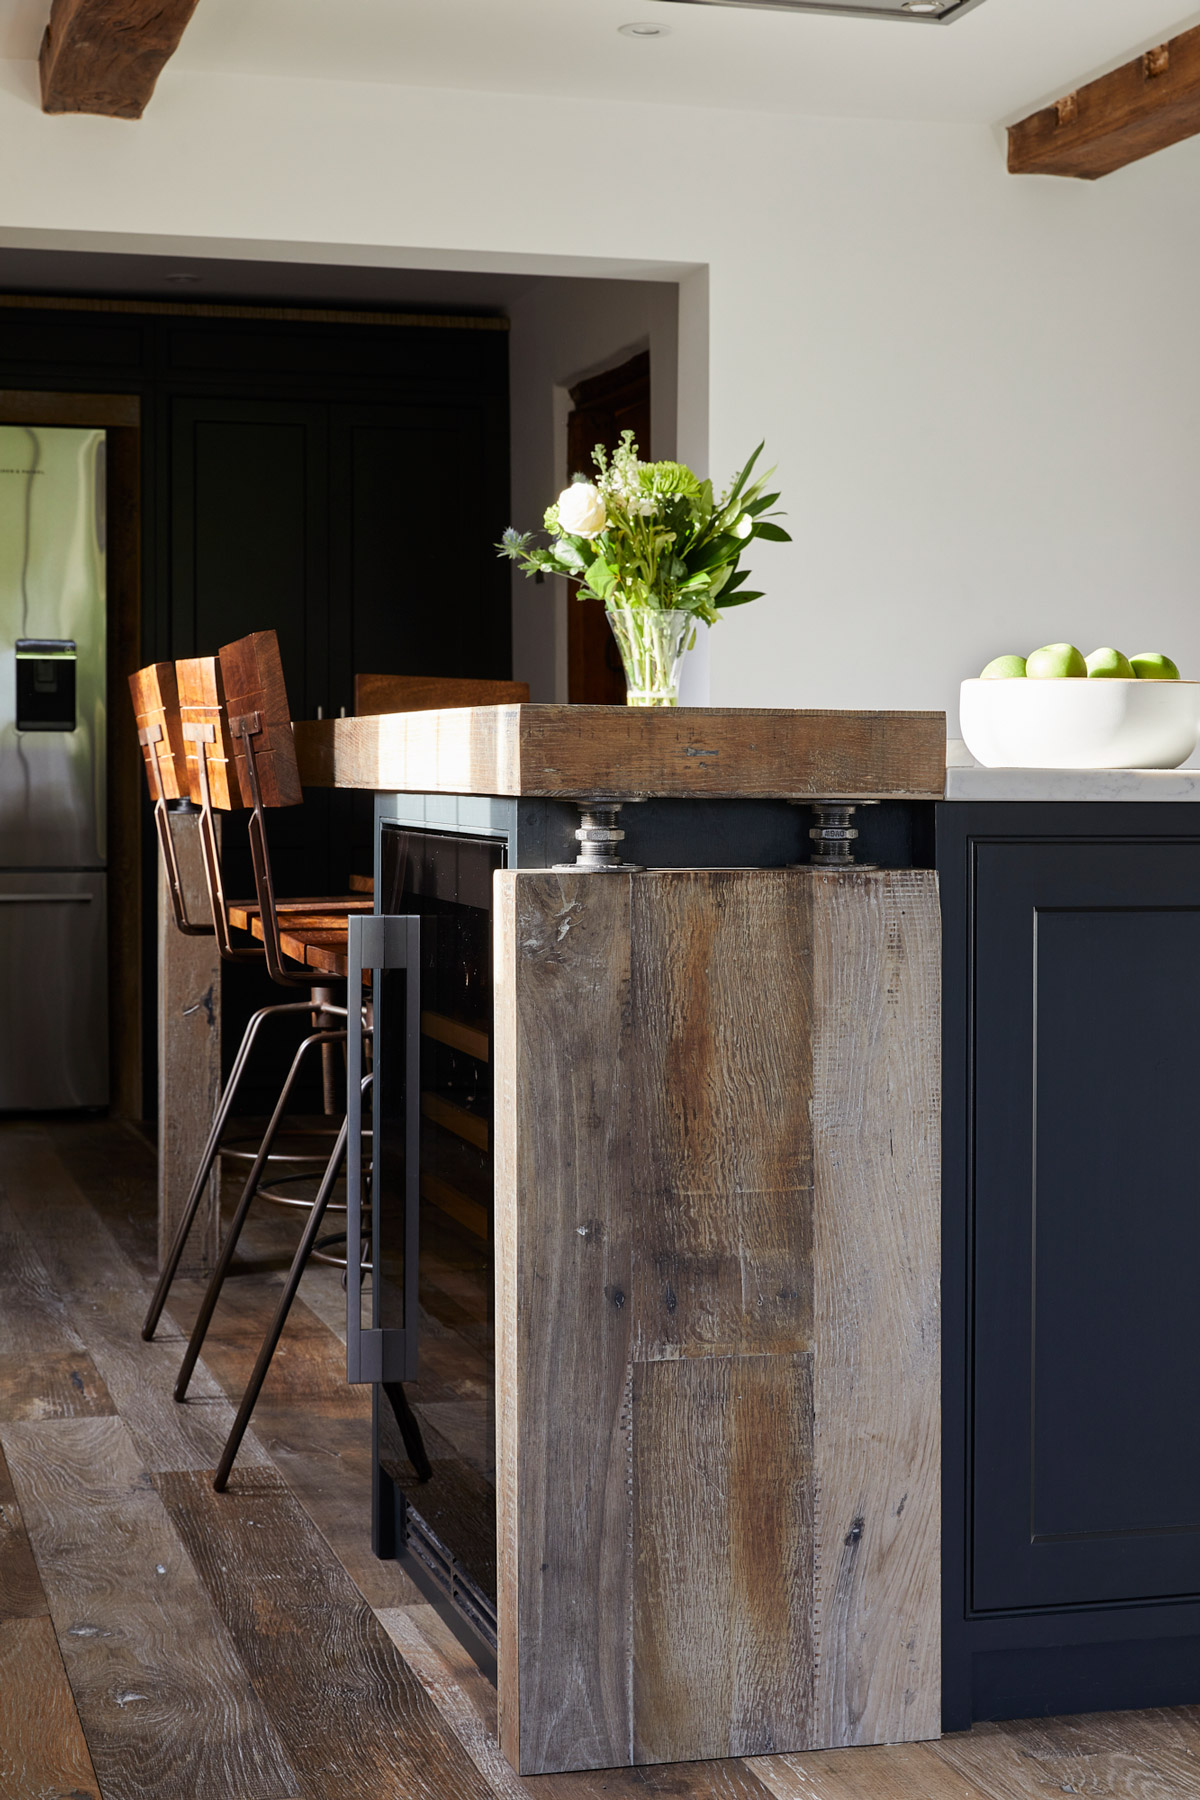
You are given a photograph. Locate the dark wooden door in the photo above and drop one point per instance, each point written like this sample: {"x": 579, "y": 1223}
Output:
{"x": 603, "y": 407}
{"x": 1073, "y": 974}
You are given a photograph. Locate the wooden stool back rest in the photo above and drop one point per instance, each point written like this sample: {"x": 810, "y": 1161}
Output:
{"x": 267, "y": 773}
{"x": 155, "y": 694}
{"x": 425, "y": 693}
{"x": 212, "y": 783}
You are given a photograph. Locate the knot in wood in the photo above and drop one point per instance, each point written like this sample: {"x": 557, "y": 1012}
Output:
{"x": 1157, "y": 61}
{"x": 1068, "y": 109}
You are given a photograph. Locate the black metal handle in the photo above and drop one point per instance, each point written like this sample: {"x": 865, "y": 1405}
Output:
{"x": 380, "y": 943}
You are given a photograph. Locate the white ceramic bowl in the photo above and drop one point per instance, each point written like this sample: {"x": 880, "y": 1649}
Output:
{"x": 1076, "y": 723}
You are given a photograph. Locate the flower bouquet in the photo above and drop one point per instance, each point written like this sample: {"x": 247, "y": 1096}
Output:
{"x": 650, "y": 541}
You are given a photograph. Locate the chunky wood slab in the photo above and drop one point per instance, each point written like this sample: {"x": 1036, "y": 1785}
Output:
{"x": 717, "y": 1140}
{"x": 685, "y": 752}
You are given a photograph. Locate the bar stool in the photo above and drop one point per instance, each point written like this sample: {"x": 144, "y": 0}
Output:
{"x": 304, "y": 944}
{"x": 213, "y": 781}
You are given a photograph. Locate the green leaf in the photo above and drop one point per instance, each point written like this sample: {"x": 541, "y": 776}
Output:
{"x": 716, "y": 551}
{"x": 774, "y": 534}
{"x": 601, "y": 578}
{"x": 755, "y": 507}
{"x": 736, "y": 599}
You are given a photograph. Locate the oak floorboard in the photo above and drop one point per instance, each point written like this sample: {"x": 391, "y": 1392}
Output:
{"x": 167, "y": 1707}
{"x": 874, "y": 1772}
{"x": 1093, "y": 1754}
{"x": 62, "y": 1384}
{"x": 355, "y": 1720}
{"x": 104, "y": 1302}
{"x": 21, "y": 1593}
{"x": 43, "y": 1752}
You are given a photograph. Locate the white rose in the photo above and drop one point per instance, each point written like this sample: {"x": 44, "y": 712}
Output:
{"x": 581, "y": 510}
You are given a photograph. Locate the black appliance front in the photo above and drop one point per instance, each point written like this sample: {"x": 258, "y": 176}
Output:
{"x": 435, "y": 1434}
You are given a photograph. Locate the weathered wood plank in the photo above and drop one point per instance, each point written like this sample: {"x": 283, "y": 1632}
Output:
{"x": 562, "y": 1350}
{"x": 895, "y": 1772}
{"x": 876, "y": 1135}
{"x": 723, "y": 1547}
{"x": 1101, "y": 1755}
{"x": 686, "y": 751}
{"x": 63, "y": 1384}
{"x": 43, "y": 1754}
{"x": 356, "y": 1722}
{"x": 105, "y": 56}
{"x": 33, "y": 1320}
{"x": 21, "y": 1593}
{"x": 189, "y": 1056}
{"x": 165, "y": 1703}
{"x": 423, "y": 693}
{"x": 461, "y": 1696}
{"x": 1144, "y": 106}
{"x": 104, "y": 1302}
{"x": 722, "y": 1136}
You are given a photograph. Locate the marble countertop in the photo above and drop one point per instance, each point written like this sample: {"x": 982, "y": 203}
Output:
{"x": 967, "y": 780}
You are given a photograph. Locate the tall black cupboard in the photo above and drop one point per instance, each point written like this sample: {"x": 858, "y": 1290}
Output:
{"x": 1071, "y": 1257}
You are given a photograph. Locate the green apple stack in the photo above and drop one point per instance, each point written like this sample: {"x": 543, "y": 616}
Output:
{"x": 1063, "y": 662}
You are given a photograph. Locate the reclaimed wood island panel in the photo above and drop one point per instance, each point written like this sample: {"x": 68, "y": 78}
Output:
{"x": 717, "y": 1313}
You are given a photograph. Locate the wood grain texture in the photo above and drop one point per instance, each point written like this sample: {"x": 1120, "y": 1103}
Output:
{"x": 1146, "y": 105}
{"x": 105, "y": 56}
{"x": 318, "y": 1656}
{"x": 61, "y": 1384}
{"x": 155, "y": 694}
{"x": 188, "y": 1005}
{"x": 722, "y": 1135}
{"x": 562, "y": 1343}
{"x": 167, "y": 1711}
{"x": 688, "y": 752}
{"x": 252, "y": 676}
{"x": 26, "y": 406}
{"x": 43, "y": 1753}
{"x": 894, "y": 1772}
{"x": 1110, "y": 1756}
{"x": 726, "y": 1083}
{"x": 21, "y": 1593}
{"x": 202, "y": 703}
{"x": 425, "y": 693}
{"x": 876, "y": 1230}
{"x": 723, "y": 1549}
{"x": 103, "y": 1301}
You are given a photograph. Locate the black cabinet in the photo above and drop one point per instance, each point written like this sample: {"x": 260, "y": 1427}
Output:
{"x": 1072, "y": 1219}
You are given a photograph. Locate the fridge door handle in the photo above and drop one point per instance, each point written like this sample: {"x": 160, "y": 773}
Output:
{"x": 383, "y": 942}
{"x": 46, "y": 899}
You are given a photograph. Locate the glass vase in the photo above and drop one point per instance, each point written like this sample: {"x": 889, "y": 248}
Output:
{"x": 652, "y": 642}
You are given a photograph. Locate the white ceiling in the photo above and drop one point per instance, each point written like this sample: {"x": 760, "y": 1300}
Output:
{"x": 989, "y": 67}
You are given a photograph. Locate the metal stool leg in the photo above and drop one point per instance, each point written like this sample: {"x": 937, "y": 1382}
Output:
{"x": 275, "y": 1329}
{"x": 220, "y": 1119}
{"x": 217, "y": 1278}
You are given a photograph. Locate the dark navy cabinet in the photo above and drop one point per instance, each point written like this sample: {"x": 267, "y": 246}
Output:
{"x": 1072, "y": 1256}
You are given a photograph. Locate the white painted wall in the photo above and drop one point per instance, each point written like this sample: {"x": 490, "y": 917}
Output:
{"x": 982, "y": 393}
{"x": 562, "y": 331}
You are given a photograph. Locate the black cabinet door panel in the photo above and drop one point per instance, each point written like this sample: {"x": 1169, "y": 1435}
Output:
{"x": 1086, "y": 1166}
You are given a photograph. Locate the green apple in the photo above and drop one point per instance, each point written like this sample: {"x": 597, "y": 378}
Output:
{"x": 1109, "y": 665}
{"x": 1004, "y": 668}
{"x": 1055, "y": 662}
{"x": 1152, "y": 665}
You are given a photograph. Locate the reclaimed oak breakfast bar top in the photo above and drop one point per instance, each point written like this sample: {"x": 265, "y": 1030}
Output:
{"x": 621, "y": 752}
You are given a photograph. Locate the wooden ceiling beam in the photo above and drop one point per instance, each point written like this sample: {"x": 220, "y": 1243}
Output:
{"x": 1138, "y": 109}
{"x": 105, "y": 56}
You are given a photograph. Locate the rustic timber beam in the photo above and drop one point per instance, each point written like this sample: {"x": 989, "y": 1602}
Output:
{"x": 105, "y": 56}
{"x": 1142, "y": 107}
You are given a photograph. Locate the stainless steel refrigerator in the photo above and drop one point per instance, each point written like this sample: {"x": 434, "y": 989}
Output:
{"x": 53, "y": 898}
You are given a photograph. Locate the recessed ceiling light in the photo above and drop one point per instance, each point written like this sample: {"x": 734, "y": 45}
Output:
{"x": 645, "y": 29}
{"x": 181, "y": 276}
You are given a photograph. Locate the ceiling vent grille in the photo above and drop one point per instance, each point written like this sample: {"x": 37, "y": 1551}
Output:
{"x": 909, "y": 10}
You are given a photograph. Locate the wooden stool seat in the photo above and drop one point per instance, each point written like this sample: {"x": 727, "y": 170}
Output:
{"x": 316, "y": 939}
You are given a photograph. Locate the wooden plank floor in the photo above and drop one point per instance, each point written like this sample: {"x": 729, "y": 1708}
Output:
{"x": 161, "y": 1642}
